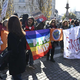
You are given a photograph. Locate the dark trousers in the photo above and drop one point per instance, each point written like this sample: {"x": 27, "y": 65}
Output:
{"x": 61, "y": 44}
{"x": 51, "y": 51}
{"x": 17, "y": 77}
{"x": 29, "y": 58}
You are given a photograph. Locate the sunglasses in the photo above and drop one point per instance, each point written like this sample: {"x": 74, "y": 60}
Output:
{"x": 53, "y": 22}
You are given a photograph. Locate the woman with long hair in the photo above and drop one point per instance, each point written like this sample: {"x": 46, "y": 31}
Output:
{"x": 65, "y": 25}
{"x": 52, "y": 25}
{"x": 17, "y": 47}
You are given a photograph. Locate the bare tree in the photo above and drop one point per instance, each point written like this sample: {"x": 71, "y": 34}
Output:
{"x": 10, "y": 9}
{"x": 49, "y": 9}
{"x": 45, "y": 7}
{"x": 1, "y": 3}
{"x": 41, "y": 3}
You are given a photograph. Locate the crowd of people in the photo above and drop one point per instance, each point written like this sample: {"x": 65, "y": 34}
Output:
{"x": 21, "y": 55}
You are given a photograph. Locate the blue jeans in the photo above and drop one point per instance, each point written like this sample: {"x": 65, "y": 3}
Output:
{"x": 17, "y": 77}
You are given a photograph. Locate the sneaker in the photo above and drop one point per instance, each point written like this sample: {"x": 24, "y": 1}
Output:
{"x": 32, "y": 67}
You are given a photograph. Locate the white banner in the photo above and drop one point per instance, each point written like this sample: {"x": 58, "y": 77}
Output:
{"x": 72, "y": 43}
{"x": 4, "y": 9}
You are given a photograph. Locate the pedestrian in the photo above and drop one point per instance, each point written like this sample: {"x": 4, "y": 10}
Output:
{"x": 76, "y": 22}
{"x": 17, "y": 47}
{"x": 29, "y": 57}
{"x": 5, "y": 22}
{"x": 47, "y": 24}
{"x": 72, "y": 24}
{"x": 65, "y": 25}
{"x": 24, "y": 20}
{"x": 52, "y": 25}
{"x": 40, "y": 26}
{"x": 69, "y": 23}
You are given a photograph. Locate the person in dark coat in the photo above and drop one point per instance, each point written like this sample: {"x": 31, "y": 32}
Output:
{"x": 65, "y": 25}
{"x": 47, "y": 25}
{"x": 40, "y": 26}
{"x": 29, "y": 56}
{"x": 24, "y": 20}
{"x": 17, "y": 47}
{"x": 52, "y": 25}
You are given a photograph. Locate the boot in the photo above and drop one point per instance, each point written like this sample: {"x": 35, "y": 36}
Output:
{"x": 52, "y": 60}
{"x": 47, "y": 58}
{"x": 48, "y": 55}
{"x": 52, "y": 54}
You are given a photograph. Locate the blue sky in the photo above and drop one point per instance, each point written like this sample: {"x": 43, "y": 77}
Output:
{"x": 61, "y": 4}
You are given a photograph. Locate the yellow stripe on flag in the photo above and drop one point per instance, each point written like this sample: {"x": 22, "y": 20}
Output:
{"x": 40, "y": 47}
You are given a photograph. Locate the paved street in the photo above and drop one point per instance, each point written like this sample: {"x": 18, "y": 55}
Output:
{"x": 62, "y": 69}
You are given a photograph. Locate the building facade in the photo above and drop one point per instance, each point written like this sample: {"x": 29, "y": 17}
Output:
{"x": 27, "y": 6}
{"x": 21, "y": 7}
{"x": 77, "y": 13}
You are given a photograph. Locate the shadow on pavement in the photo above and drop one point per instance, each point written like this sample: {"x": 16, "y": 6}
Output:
{"x": 46, "y": 70}
{"x": 31, "y": 74}
{"x": 62, "y": 69}
{"x": 54, "y": 72}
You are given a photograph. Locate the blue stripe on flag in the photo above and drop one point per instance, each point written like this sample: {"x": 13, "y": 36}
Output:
{"x": 38, "y": 39}
{"x": 37, "y": 31}
{"x": 33, "y": 36}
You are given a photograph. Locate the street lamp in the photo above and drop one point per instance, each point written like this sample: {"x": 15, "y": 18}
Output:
{"x": 67, "y": 7}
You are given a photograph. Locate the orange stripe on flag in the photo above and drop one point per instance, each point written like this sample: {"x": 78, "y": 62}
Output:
{"x": 40, "y": 55}
{"x": 41, "y": 50}
{"x": 37, "y": 55}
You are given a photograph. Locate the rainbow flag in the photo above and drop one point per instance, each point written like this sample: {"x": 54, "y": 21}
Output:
{"x": 39, "y": 42}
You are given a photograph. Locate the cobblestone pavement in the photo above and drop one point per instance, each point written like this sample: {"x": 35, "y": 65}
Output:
{"x": 62, "y": 69}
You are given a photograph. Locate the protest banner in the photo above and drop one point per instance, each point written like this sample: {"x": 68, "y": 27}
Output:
{"x": 72, "y": 43}
{"x": 4, "y": 9}
{"x": 39, "y": 42}
{"x": 56, "y": 34}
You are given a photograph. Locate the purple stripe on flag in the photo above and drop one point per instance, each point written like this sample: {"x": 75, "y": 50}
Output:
{"x": 37, "y": 31}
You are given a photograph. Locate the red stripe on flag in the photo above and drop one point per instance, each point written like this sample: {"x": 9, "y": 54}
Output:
{"x": 41, "y": 54}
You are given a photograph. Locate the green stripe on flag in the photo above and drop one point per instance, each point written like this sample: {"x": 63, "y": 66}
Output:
{"x": 38, "y": 44}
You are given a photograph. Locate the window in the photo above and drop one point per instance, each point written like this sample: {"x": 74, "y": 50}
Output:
{"x": 21, "y": 0}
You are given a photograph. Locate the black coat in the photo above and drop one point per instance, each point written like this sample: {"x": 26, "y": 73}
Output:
{"x": 51, "y": 27}
{"x": 40, "y": 26}
{"x": 17, "y": 59}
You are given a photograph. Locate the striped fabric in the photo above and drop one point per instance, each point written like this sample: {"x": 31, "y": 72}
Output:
{"x": 39, "y": 42}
